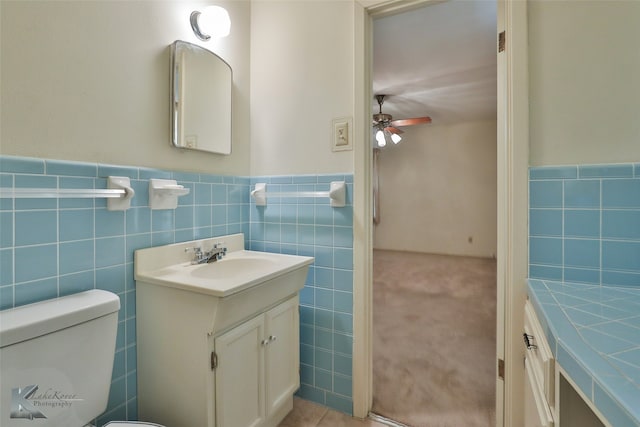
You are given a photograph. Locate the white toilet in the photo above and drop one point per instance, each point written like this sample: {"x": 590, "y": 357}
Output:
{"x": 56, "y": 360}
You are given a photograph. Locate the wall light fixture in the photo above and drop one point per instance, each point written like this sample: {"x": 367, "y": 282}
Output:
{"x": 213, "y": 21}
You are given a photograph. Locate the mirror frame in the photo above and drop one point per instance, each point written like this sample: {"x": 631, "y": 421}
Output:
{"x": 177, "y": 108}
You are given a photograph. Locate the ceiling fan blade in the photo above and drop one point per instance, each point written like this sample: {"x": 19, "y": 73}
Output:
{"x": 394, "y": 130}
{"x": 411, "y": 122}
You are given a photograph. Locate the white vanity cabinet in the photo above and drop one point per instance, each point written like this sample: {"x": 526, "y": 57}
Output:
{"x": 217, "y": 344}
{"x": 257, "y": 367}
{"x": 549, "y": 398}
{"x": 539, "y": 394}
{"x": 537, "y": 411}
{"x": 584, "y": 386}
{"x": 242, "y": 372}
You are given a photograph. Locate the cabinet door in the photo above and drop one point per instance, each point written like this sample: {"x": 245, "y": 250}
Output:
{"x": 282, "y": 375}
{"x": 239, "y": 389}
{"x": 540, "y": 355}
{"x": 536, "y": 409}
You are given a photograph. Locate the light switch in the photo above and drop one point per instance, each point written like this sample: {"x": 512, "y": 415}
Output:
{"x": 341, "y": 134}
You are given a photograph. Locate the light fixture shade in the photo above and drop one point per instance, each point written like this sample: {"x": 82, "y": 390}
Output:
{"x": 387, "y": 136}
{"x": 396, "y": 138}
{"x": 213, "y": 21}
{"x": 380, "y": 138}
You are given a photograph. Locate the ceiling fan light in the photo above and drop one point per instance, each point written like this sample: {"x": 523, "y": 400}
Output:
{"x": 380, "y": 138}
{"x": 387, "y": 136}
{"x": 396, "y": 138}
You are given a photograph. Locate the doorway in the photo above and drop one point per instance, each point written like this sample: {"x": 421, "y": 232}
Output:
{"x": 513, "y": 157}
{"x": 434, "y": 244}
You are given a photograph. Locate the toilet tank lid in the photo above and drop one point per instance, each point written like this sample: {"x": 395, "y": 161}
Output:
{"x": 44, "y": 317}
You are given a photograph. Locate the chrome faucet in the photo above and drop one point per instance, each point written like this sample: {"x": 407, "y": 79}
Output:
{"x": 216, "y": 253}
{"x": 202, "y": 257}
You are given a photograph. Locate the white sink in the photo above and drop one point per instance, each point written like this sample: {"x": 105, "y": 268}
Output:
{"x": 234, "y": 265}
{"x": 237, "y": 271}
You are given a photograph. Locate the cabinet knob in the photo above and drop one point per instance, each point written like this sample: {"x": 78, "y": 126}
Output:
{"x": 267, "y": 341}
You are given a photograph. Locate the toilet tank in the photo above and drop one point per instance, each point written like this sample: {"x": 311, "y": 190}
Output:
{"x": 56, "y": 360}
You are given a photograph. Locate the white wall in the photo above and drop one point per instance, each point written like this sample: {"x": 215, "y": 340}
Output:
{"x": 301, "y": 78}
{"x": 584, "y": 66}
{"x": 438, "y": 188}
{"x": 89, "y": 81}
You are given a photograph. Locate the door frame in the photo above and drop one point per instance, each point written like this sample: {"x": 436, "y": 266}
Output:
{"x": 512, "y": 165}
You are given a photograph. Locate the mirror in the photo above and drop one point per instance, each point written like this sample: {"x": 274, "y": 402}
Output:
{"x": 201, "y": 84}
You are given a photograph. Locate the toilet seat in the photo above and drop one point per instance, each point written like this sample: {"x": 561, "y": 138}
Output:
{"x": 130, "y": 424}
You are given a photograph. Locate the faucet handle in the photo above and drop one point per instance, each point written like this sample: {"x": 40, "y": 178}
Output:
{"x": 220, "y": 250}
{"x": 198, "y": 255}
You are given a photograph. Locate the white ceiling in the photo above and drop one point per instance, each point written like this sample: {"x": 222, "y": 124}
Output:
{"x": 437, "y": 61}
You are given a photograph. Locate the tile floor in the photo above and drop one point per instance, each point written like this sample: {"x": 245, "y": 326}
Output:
{"x": 308, "y": 414}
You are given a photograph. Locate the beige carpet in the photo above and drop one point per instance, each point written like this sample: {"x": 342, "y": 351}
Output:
{"x": 434, "y": 339}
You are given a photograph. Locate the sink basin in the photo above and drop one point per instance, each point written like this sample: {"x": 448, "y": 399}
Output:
{"x": 231, "y": 266}
{"x": 239, "y": 270}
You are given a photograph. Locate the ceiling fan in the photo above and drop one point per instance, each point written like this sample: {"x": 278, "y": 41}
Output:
{"x": 386, "y": 129}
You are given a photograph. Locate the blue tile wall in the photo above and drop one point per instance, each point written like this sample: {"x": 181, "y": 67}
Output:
{"x": 584, "y": 224}
{"x": 80, "y": 245}
{"x": 311, "y": 227}
{"x": 55, "y": 247}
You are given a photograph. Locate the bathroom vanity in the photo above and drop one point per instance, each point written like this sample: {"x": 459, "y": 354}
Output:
{"x": 218, "y": 343}
{"x": 539, "y": 363}
{"x": 547, "y": 387}
{"x": 582, "y": 342}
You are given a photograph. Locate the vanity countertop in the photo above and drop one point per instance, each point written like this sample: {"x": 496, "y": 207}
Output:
{"x": 594, "y": 334}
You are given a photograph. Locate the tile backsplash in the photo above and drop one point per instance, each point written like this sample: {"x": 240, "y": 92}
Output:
{"x": 55, "y": 247}
{"x": 584, "y": 224}
{"x": 311, "y": 227}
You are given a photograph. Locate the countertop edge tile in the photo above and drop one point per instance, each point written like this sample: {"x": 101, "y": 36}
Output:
{"x": 618, "y": 390}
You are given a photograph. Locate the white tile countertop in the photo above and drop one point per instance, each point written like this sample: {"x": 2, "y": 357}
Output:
{"x": 594, "y": 334}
